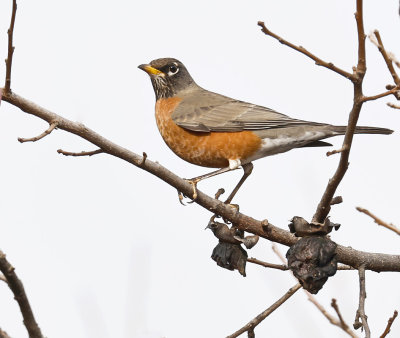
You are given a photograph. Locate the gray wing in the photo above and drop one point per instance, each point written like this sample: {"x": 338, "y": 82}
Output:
{"x": 204, "y": 111}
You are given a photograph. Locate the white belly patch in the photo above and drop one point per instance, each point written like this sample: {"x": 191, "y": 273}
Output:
{"x": 272, "y": 146}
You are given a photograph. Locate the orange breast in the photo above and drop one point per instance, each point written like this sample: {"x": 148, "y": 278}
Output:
{"x": 212, "y": 149}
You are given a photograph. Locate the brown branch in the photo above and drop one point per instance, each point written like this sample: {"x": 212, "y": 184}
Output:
{"x": 395, "y": 91}
{"x": 10, "y": 33}
{"x": 386, "y": 57}
{"x": 257, "y": 320}
{"x": 82, "y": 153}
{"x": 268, "y": 265}
{"x": 360, "y": 314}
{"x": 379, "y": 221}
{"x": 52, "y": 126}
{"x": 336, "y": 151}
{"x": 304, "y": 51}
{"x": 346, "y": 255}
{"x": 389, "y": 324}
{"x": 343, "y": 324}
{"x": 18, "y": 290}
{"x": 3, "y": 334}
{"x": 331, "y": 319}
{"x": 2, "y": 278}
{"x": 324, "y": 207}
{"x": 336, "y": 200}
{"x": 392, "y": 105}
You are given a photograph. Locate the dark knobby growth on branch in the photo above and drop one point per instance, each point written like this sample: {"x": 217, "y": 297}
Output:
{"x": 312, "y": 260}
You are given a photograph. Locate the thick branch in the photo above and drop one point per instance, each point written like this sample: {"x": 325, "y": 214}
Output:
{"x": 257, "y": 320}
{"x": 349, "y": 256}
{"x": 304, "y": 51}
{"x": 18, "y": 290}
{"x": 11, "y": 48}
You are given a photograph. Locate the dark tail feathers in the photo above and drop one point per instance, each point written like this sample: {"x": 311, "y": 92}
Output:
{"x": 365, "y": 130}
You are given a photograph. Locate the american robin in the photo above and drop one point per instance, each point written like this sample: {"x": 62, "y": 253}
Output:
{"x": 212, "y": 130}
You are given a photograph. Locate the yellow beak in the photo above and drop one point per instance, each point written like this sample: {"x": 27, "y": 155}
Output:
{"x": 150, "y": 70}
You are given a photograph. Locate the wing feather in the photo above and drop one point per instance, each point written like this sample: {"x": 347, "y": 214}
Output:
{"x": 205, "y": 111}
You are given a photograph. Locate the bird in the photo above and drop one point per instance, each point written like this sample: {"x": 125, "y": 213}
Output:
{"x": 212, "y": 130}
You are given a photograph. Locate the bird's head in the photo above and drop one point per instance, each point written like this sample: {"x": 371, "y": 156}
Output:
{"x": 168, "y": 76}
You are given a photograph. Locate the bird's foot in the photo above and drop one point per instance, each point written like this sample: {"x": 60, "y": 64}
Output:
{"x": 193, "y": 182}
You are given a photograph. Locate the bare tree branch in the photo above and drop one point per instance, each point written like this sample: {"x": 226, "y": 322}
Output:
{"x": 394, "y": 91}
{"x": 379, "y": 221}
{"x": 304, "y": 51}
{"x": 327, "y": 315}
{"x": 82, "y": 153}
{"x": 385, "y": 55}
{"x": 323, "y": 207}
{"x": 392, "y": 105}
{"x": 268, "y": 265}
{"x": 257, "y": 320}
{"x": 10, "y": 32}
{"x": 389, "y": 324}
{"x": 3, "y": 334}
{"x": 52, "y": 126}
{"x": 18, "y": 290}
{"x": 346, "y": 255}
{"x": 360, "y": 314}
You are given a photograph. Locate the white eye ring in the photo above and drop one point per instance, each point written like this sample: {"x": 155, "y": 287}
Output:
{"x": 173, "y": 69}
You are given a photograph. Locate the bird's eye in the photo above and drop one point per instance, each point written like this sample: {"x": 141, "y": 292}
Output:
{"x": 173, "y": 70}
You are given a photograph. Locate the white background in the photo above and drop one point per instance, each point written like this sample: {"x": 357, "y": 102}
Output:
{"x": 105, "y": 249}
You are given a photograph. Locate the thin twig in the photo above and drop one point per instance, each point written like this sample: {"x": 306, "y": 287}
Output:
{"x": 343, "y": 324}
{"x": 52, "y": 126}
{"x": 389, "y": 324}
{"x": 82, "y": 153}
{"x": 336, "y": 200}
{"x": 386, "y": 57}
{"x": 257, "y": 320}
{"x": 10, "y": 32}
{"x": 339, "y": 323}
{"x": 392, "y": 105}
{"x": 360, "y": 314}
{"x": 304, "y": 51}
{"x": 336, "y": 151}
{"x": 3, "y": 334}
{"x": 18, "y": 290}
{"x": 268, "y": 265}
{"x": 378, "y": 221}
{"x": 395, "y": 91}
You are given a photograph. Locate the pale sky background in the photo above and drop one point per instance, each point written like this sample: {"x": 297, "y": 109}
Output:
{"x": 105, "y": 249}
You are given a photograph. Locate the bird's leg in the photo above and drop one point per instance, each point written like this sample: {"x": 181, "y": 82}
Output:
{"x": 233, "y": 164}
{"x": 247, "y": 170}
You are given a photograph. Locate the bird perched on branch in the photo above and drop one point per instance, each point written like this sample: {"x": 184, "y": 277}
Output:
{"x": 212, "y": 130}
